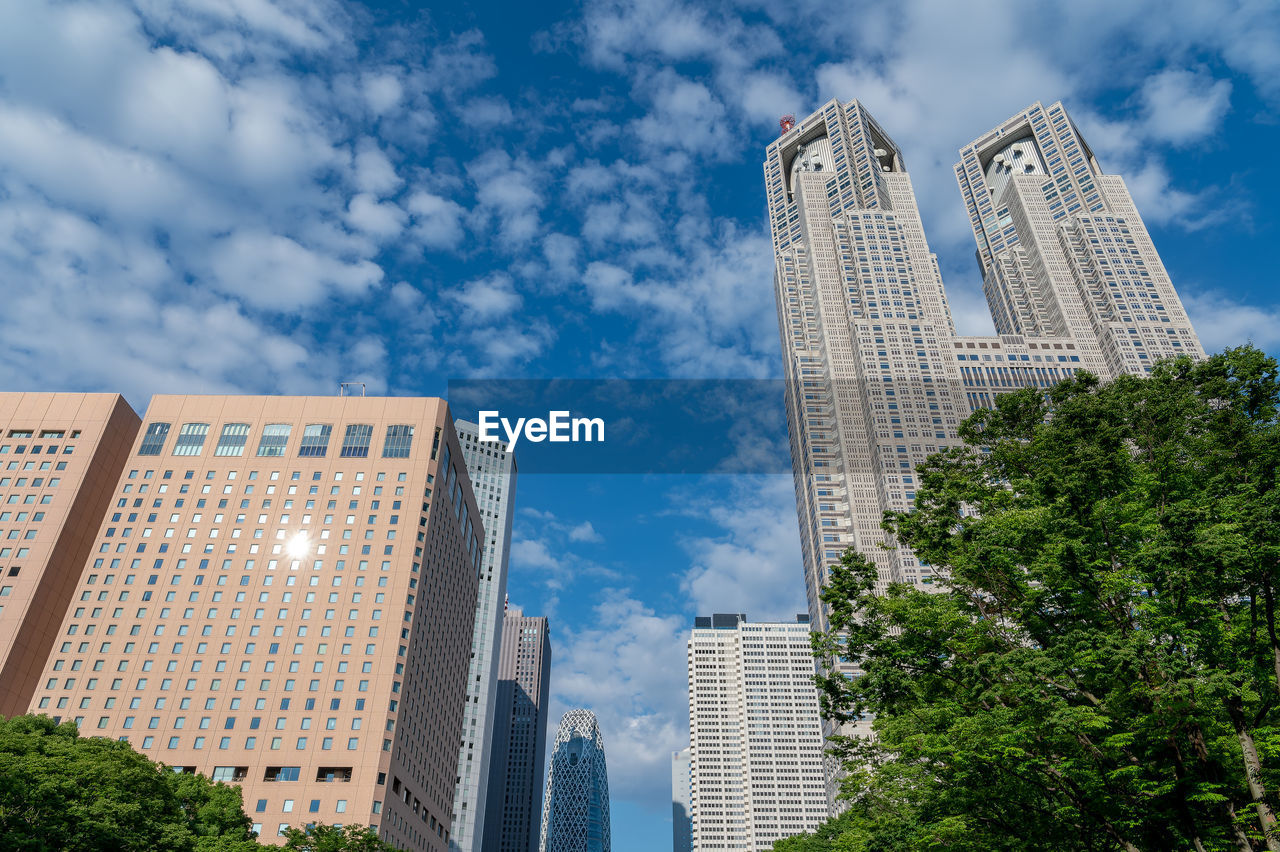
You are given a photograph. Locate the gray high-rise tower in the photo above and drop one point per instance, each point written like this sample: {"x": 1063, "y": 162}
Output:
{"x": 519, "y": 734}
{"x": 876, "y": 377}
{"x": 493, "y": 479}
{"x": 575, "y": 813}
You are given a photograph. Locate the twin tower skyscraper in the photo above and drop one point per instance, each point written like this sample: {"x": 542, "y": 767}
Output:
{"x": 877, "y": 377}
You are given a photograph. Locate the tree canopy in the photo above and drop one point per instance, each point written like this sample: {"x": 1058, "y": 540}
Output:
{"x": 60, "y": 792}
{"x": 66, "y": 793}
{"x": 1100, "y": 668}
{"x": 332, "y": 838}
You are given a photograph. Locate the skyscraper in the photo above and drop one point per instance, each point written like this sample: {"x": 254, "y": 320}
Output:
{"x": 866, "y": 334}
{"x": 519, "y": 734}
{"x": 283, "y": 596}
{"x": 575, "y": 812}
{"x": 493, "y": 480}
{"x": 60, "y": 457}
{"x": 876, "y": 377}
{"x": 681, "y": 802}
{"x": 1062, "y": 248}
{"x": 756, "y": 742}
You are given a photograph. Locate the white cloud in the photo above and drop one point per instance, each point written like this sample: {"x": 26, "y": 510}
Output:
{"x": 486, "y": 112}
{"x": 585, "y": 532}
{"x": 561, "y": 254}
{"x": 461, "y": 64}
{"x": 120, "y": 328}
{"x": 437, "y": 222}
{"x": 765, "y": 97}
{"x": 508, "y": 190}
{"x": 684, "y": 115}
{"x": 486, "y": 299}
{"x": 1182, "y": 106}
{"x": 373, "y": 171}
{"x": 628, "y": 666}
{"x": 274, "y": 272}
{"x": 1222, "y": 321}
{"x": 383, "y": 92}
{"x": 382, "y": 220}
{"x": 712, "y": 308}
{"x": 753, "y": 564}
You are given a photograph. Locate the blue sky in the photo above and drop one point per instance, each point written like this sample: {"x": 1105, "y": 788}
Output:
{"x": 263, "y": 197}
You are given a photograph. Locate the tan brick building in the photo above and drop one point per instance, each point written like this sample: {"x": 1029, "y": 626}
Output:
{"x": 281, "y": 593}
{"x": 60, "y": 456}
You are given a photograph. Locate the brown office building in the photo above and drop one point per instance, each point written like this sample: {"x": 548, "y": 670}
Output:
{"x": 281, "y": 594}
{"x": 60, "y": 456}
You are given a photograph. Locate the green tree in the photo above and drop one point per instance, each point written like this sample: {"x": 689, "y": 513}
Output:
{"x": 331, "y": 838}
{"x": 60, "y": 791}
{"x": 1101, "y": 670}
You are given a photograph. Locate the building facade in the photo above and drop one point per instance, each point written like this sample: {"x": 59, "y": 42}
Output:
{"x": 1063, "y": 251}
{"x": 60, "y": 457}
{"x": 282, "y": 594}
{"x": 575, "y": 811}
{"x": 681, "y": 824}
{"x": 493, "y": 480}
{"x": 877, "y": 378}
{"x": 520, "y": 735}
{"x": 755, "y": 734}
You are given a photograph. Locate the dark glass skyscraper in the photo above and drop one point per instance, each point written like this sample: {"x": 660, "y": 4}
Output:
{"x": 575, "y": 813}
{"x": 519, "y": 735}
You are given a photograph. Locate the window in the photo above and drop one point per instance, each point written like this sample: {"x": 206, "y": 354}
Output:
{"x": 153, "y": 439}
{"x": 274, "y": 438}
{"x": 282, "y": 773}
{"x": 355, "y": 443}
{"x": 315, "y": 441}
{"x": 232, "y": 440}
{"x": 398, "y": 442}
{"x": 190, "y": 439}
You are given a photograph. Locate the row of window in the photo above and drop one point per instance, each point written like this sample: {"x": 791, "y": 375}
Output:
{"x": 275, "y": 439}
{"x": 36, "y": 449}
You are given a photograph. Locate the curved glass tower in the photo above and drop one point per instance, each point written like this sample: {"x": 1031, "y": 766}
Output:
{"x": 575, "y": 812}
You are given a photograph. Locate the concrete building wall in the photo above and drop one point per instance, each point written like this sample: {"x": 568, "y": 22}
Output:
{"x": 282, "y": 594}
{"x": 756, "y": 741}
{"x": 60, "y": 457}
{"x": 493, "y": 478}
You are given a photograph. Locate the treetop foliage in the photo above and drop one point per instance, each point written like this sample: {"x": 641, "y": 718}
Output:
{"x": 1100, "y": 668}
{"x": 60, "y": 792}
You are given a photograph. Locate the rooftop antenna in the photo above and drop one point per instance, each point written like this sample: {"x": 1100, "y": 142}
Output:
{"x": 349, "y": 388}
{"x": 786, "y": 123}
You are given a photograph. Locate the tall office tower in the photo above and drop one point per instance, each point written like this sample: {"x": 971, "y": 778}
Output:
{"x": 60, "y": 457}
{"x": 519, "y": 734}
{"x": 876, "y": 377}
{"x": 575, "y": 814}
{"x": 1062, "y": 248}
{"x": 871, "y": 386}
{"x": 493, "y": 480}
{"x": 871, "y": 389}
{"x": 681, "y": 823}
{"x": 755, "y": 734}
{"x": 283, "y": 595}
